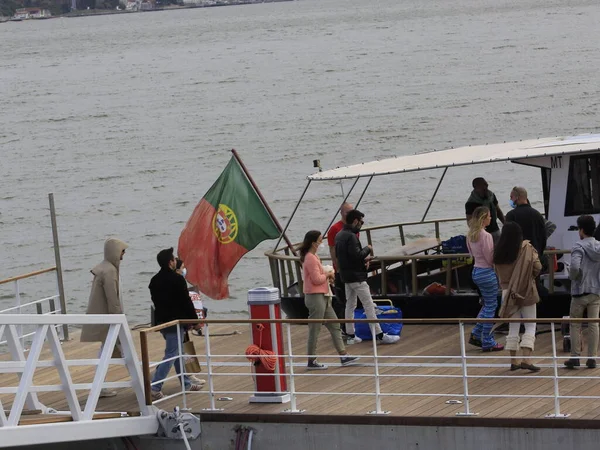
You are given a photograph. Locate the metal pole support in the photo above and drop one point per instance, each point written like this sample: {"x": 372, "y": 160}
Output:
{"x": 59, "y": 274}
{"x": 557, "y": 414}
{"x": 463, "y": 357}
{"x": 378, "y": 409}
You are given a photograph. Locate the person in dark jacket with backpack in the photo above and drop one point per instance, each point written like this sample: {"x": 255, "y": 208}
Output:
{"x": 353, "y": 261}
{"x": 170, "y": 296}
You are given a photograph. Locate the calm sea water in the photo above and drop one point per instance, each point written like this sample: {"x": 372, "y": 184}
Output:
{"x": 129, "y": 119}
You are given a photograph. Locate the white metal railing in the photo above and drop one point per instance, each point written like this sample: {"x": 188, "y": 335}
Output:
{"x": 463, "y": 362}
{"x": 49, "y": 305}
{"x": 25, "y": 393}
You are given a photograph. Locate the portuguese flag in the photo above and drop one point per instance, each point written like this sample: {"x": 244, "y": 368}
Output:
{"x": 229, "y": 221}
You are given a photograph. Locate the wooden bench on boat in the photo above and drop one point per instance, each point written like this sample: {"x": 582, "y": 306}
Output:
{"x": 398, "y": 255}
{"x": 416, "y": 247}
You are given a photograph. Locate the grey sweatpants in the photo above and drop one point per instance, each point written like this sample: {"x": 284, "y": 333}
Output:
{"x": 319, "y": 307}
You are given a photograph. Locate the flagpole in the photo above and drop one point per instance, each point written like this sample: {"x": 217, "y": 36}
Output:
{"x": 262, "y": 199}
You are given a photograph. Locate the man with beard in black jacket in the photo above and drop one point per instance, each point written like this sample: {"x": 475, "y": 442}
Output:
{"x": 352, "y": 264}
{"x": 170, "y": 296}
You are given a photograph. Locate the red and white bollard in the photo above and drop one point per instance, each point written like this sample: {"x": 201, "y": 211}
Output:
{"x": 270, "y": 385}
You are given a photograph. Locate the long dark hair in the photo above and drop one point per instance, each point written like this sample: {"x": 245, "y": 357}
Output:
{"x": 309, "y": 239}
{"x": 508, "y": 246}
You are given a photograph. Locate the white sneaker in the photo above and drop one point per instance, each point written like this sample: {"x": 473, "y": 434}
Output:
{"x": 388, "y": 339}
{"x": 195, "y": 379}
{"x": 353, "y": 340}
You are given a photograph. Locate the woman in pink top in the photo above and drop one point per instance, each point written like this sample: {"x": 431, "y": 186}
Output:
{"x": 481, "y": 247}
{"x": 317, "y": 298}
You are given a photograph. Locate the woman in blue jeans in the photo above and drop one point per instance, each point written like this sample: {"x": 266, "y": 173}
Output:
{"x": 481, "y": 247}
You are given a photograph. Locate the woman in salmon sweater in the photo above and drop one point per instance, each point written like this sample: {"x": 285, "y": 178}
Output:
{"x": 481, "y": 247}
{"x": 317, "y": 298}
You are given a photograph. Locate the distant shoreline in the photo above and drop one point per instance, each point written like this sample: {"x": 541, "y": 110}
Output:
{"x": 106, "y": 12}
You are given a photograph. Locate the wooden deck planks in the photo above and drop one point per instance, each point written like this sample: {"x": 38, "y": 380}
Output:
{"x": 417, "y": 340}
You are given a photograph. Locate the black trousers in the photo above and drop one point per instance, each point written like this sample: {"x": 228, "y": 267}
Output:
{"x": 339, "y": 301}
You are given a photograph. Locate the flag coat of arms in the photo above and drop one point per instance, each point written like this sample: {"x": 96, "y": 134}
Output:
{"x": 229, "y": 221}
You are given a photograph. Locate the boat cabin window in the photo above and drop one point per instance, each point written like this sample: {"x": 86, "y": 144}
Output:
{"x": 546, "y": 182}
{"x": 583, "y": 187}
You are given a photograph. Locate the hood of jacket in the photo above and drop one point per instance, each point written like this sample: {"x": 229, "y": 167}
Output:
{"x": 590, "y": 247}
{"x": 112, "y": 253}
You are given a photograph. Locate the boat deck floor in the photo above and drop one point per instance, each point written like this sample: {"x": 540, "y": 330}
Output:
{"x": 435, "y": 343}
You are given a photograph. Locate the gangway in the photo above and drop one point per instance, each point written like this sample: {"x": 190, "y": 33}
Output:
{"x": 25, "y": 420}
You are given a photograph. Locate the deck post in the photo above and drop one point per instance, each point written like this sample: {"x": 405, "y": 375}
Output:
{"x": 284, "y": 281}
{"x": 383, "y": 278}
{"x": 463, "y": 357}
{"x": 550, "y": 273}
{"x": 448, "y": 275}
{"x": 413, "y": 271}
{"x": 378, "y": 409}
{"x": 146, "y": 367}
{"x": 211, "y": 391}
{"x": 557, "y": 414}
{"x": 293, "y": 409}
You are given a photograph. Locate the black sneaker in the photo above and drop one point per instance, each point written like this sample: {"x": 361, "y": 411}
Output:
{"x": 348, "y": 360}
{"x": 314, "y": 365}
{"x": 474, "y": 341}
{"x": 591, "y": 363}
{"x": 572, "y": 363}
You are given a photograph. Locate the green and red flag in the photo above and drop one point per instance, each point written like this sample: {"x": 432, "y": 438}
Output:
{"x": 229, "y": 221}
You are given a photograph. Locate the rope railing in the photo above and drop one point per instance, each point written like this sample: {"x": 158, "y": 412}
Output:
{"x": 461, "y": 362}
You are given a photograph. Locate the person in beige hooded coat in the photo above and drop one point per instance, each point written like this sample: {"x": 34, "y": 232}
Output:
{"x": 105, "y": 297}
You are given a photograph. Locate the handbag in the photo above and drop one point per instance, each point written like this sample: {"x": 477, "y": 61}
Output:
{"x": 191, "y": 363}
{"x": 363, "y": 331}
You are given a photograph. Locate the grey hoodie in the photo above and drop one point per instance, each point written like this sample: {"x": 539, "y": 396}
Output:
{"x": 585, "y": 267}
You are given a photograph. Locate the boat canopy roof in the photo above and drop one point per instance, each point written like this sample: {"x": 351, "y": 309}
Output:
{"x": 463, "y": 156}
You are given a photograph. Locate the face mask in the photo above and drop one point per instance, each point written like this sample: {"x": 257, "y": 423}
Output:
{"x": 184, "y": 272}
{"x": 512, "y": 203}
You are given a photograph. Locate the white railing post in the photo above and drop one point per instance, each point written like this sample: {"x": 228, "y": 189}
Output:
{"x": 293, "y": 409}
{"x": 557, "y": 413}
{"x": 463, "y": 357}
{"x": 181, "y": 366}
{"x": 378, "y": 409}
{"x": 211, "y": 390}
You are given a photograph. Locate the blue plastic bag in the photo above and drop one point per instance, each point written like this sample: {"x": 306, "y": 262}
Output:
{"x": 363, "y": 331}
{"x": 456, "y": 244}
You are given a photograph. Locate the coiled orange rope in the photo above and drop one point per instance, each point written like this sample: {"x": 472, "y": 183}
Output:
{"x": 256, "y": 354}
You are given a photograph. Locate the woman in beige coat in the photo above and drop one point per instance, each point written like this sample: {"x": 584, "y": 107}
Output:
{"x": 517, "y": 265}
{"x": 105, "y": 297}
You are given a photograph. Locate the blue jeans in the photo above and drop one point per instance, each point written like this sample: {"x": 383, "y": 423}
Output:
{"x": 486, "y": 281}
{"x": 171, "y": 350}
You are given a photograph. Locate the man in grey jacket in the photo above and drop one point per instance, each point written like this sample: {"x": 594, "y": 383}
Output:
{"x": 585, "y": 290}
